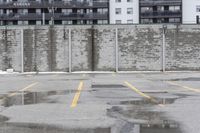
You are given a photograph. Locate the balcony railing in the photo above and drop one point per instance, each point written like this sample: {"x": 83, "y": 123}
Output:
{"x": 157, "y": 14}
{"x": 58, "y": 4}
{"x": 57, "y": 16}
{"x": 160, "y": 2}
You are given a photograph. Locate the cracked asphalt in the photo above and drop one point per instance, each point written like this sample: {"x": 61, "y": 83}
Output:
{"x": 100, "y": 103}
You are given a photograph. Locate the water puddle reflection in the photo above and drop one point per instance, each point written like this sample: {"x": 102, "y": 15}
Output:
{"x": 143, "y": 102}
{"x": 138, "y": 119}
{"x": 25, "y": 98}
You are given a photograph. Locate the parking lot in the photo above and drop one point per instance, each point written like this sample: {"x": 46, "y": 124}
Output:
{"x": 100, "y": 103}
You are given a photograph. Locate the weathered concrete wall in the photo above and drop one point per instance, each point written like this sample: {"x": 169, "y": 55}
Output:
{"x": 10, "y": 49}
{"x": 43, "y": 52}
{"x": 60, "y": 49}
{"x": 100, "y": 48}
{"x": 140, "y": 48}
{"x": 104, "y": 48}
{"x": 37, "y": 50}
{"x": 29, "y": 50}
{"x": 183, "y": 47}
{"x": 81, "y": 41}
{"x": 46, "y": 49}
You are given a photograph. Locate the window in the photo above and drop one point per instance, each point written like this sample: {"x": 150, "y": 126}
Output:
{"x": 177, "y": 8}
{"x": 198, "y": 8}
{"x": 32, "y": 22}
{"x": 129, "y": 21}
{"x": 129, "y": 10}
{"x": 102, "y": 22}
{"x": 117, "y": 1}
{"x": 66, "y": 11}
{"x": 146, "y": 9}
{"x": 102, "y": 10}
{"x": 105, "y": 21}
{"x": 146, "y": 21}
{"x": 118, "y": 21}
{"x": 118, "y": 11}
{"x": 31, "y": 10}
{"x": 174, "y": 20}
{"x": 174, "y": 8}
{"x": 177, "y": 20}
{"x": 160, "y": 8}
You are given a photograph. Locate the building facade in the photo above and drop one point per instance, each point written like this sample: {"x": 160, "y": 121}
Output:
{"x": 191, "y": 11}
{"x": 124, "y": 11}
{"x": 40, "y": 12}
{"x": 45, "y": 12}
{"x": 160, "y": 11}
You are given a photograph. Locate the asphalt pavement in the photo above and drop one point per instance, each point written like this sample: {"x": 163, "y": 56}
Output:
{"x": 100, "y": 103}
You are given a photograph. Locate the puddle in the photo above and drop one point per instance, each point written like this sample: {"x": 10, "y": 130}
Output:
{"x": 36, "y": 128}
{"x": 25, "y": 98}
{"x": 159, "y": 128}
{"x": 143, "y": 102}
{"x": 107, "y": 86}
{"x": 138, "y": 119}
{"x": 163, "y": 101}
{"x": 145, "y": 121}
{"x": 186, "y": 79}
{"x": 3, "y": 118}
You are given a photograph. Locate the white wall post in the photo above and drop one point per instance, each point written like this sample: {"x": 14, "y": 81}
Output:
{"x": 70, "y": 51}
{"x": 43, "y": 18}
{"x": 22, "y": 50}
{"x": 163, "y": 48}
{"x": 116, "y": 51}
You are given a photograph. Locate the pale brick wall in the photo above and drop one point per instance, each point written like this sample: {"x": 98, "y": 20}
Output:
{"x": 94, "y": 48}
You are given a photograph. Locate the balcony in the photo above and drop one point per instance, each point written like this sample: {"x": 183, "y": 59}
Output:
{"x": 57, "y": 16}
{"x": 160, "y": 14}
{"x": 58, "y": 4}
{"x": 159, "y": 2}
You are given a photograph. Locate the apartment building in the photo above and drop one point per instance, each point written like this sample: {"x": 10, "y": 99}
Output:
{"x": 124, "y": 11}
{"x": 45, "y": 12}
{"x": 41, "y": 12}
{"x": 145, "y": 11}
{"x": 160, "y": 11}
{"x": 191, "y": 11}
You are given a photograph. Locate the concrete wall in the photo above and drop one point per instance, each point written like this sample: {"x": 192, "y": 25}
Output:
{"x": 10, "y": 49}
{"x": 140, "y": 48}
{"x": 182, "y": 48}
{"x": 100, "y": 48}
{"x": 45, "y": 49}
{"x": 81, "y": 41}
{"x": 104, "y": 48}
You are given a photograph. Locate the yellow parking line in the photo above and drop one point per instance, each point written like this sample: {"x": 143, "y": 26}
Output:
{"x": 24, "y": 89}
{"x": 142, "y": 94}
{"x": 29, "y": 86}
{"x": 185, "y": 87}
{"x": 77, "y": 95}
